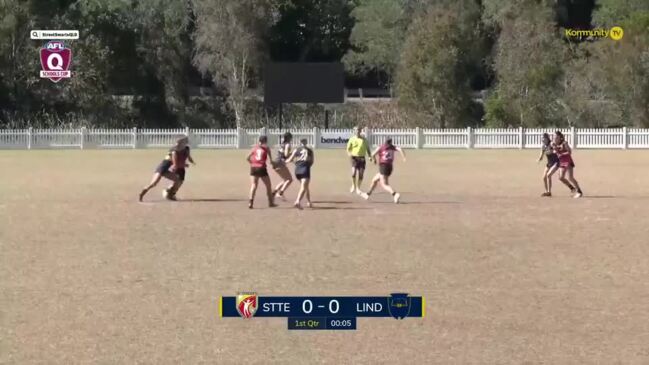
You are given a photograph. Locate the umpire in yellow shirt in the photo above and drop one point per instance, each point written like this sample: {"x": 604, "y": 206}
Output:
{"x": 357, "y": 148}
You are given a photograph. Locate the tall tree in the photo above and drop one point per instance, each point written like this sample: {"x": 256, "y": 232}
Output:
{"x": 433, "y": 75}
{"x": 528, "y": 60}
{"x": 231, "y": 44}
{"x": 378, "y": 34}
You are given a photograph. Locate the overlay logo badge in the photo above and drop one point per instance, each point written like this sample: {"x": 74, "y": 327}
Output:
{"x": 399, "y": 305}
{"x": 56, "y": 59}
{"x": 247, "y": 304}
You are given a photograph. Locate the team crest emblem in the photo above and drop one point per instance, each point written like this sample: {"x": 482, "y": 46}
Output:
{"x": 55, "y": 61}
{"x": 246, "y": 304}
{"x": 399, "y": 305}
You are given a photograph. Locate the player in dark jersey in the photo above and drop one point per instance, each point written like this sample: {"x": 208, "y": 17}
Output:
{"x": 386, "y": 160}
{"x": 172, "y": 168}
{"x": 257, "y": 159}
{"x": 303, "y": 158}
{"x": 280, "y": 166}
{"x": 547, "y": 150}
{"x": 566, "y": 164}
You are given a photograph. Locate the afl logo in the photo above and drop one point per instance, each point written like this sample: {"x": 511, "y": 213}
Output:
{"x": 55, "y": 61}
{"x": 246, "y": 304}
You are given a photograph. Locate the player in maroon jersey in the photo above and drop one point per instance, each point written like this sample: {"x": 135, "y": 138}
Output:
{"x": 386, "y": 160}
{"x": 172, "y": 168}
{"x": 566, "y": 164}
{"x": 257, "y": 159}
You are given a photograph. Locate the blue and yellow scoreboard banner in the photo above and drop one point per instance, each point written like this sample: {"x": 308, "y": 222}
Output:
{"x": 311, "y": 313}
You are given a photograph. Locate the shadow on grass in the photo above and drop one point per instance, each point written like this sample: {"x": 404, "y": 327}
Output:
{"x": 416, "y": 202}
{"x": 337, "y": 208}
{"x": 210, "y": 200}
{"x": 332, "y": 202}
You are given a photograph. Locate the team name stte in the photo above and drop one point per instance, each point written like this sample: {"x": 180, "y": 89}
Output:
{"x": 276, "y": 307}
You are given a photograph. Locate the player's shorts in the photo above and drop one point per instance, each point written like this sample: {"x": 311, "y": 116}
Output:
{"x": 302, "y": 173}
{"x": 552, "y": 162}
{"x": 258, "y": 171}
{"x": 385, "y": 169}
{"x": 181, "y": 174}
{"x": 358, "y": 162}
{"x": 567, "y": 164}
{"x": 164, "y": 167}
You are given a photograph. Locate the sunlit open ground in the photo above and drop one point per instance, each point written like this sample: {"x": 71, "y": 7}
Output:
{"x": 89, "y": 275}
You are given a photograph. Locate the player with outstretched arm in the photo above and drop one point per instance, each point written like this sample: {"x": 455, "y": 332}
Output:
{"x": 386, "y": 160}
{"x": 172, "y": 167}
{"x": 257, "y": 158}
{"x": 303, "y": 157}
{"x": 357, "y": 148}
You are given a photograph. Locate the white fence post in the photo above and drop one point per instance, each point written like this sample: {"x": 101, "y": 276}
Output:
{"x": 316, "y": 137}
{"x": 368, "y": 136}
{"x": 469, "y": 137}
{"x": 625, "y": 138}
{"x": 82, "y": 133}
{"x": 521, "y": 135}
{"x": 573, "y": 133}
{"x": 419, "y": 140}
{"x": 134, "y": 137}
{"x": 240, "y": 138}
{"x": 29, "y": 138}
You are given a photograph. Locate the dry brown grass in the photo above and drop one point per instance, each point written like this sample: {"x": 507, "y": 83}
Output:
{"x": 88, "y": 275}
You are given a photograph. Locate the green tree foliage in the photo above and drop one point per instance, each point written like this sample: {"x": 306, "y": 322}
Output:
{"x": 528, "y": 63}
{"x": 311, "y": 30}
{"x": 434, "y": 70}
{"x": 231, "y": 45}
{"x": 140, "y": 62}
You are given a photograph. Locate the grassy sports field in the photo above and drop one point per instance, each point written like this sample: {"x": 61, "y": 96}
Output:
{"x": 89, "y": 275}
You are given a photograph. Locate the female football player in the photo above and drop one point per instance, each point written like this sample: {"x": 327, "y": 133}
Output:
{"x": 386, "y": 160}
{"x": 280, "y": 166}
{"x": 547, "y": 150}
{"x": 566, "y": 164}
{"x": 257, "y": 159}
{"x": 172, "y": 167}
{"x": 304, "y": 158}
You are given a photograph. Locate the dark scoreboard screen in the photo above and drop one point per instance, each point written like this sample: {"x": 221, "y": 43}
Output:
{"x": 338, "y": 313}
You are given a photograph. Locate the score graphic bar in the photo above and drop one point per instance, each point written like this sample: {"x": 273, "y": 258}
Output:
{"x": 322, "y": 312}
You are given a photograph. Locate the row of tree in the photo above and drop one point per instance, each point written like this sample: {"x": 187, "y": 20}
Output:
{"x": 199, "y": 62}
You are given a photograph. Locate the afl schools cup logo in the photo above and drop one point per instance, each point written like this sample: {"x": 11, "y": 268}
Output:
{"x": 247, "y": 304}
{"x": 55, "y": 61}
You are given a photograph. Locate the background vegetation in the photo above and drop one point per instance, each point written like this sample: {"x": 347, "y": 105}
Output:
{"x": 448, "y": 63}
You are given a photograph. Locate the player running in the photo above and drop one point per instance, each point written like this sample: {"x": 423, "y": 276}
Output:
{"x": 357, "y": 148}
{"x": 304, "y": 158}
{"x": 257, "y": 159}
{"x": 386, "y": 160}
{"x": 547, "y": 150}
{"x": 172, "y": 168}
{"x": 566, "y": 164}
{"x": 280, "y": 166}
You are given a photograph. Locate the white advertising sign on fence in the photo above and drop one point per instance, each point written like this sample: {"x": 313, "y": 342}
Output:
{"x": 334, "y": 138}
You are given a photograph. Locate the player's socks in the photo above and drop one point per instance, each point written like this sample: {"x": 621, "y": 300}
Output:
{"x": 250, "y": 204}
{"x": 396, "y": 197}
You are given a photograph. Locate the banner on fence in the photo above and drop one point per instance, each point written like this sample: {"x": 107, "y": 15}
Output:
{"x": 334, "y": 139}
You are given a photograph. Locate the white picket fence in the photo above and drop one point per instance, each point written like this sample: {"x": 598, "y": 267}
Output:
{"x": 518, "y": 138}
